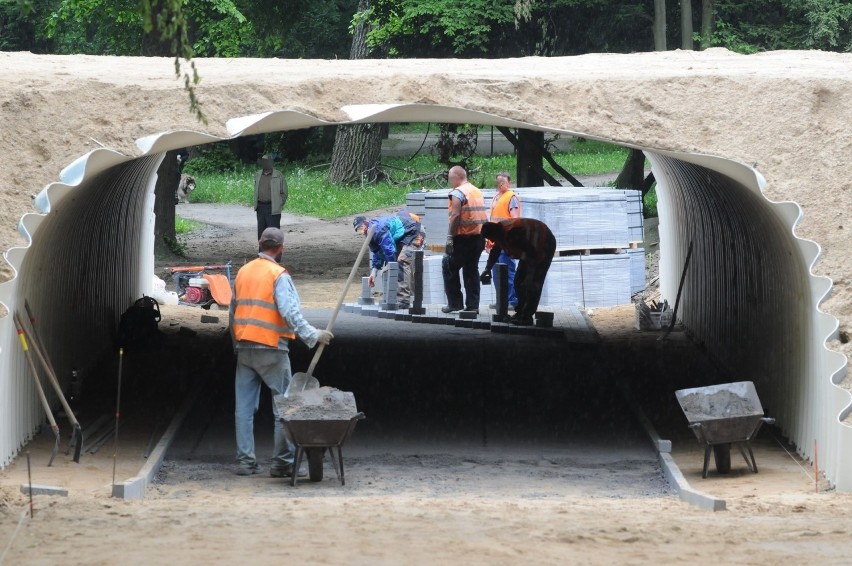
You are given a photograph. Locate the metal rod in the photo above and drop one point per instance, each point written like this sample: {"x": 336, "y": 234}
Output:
{"x": 679, "y": 289}
{"x": 117, "y": 414}
{"x": 30, "y": 478}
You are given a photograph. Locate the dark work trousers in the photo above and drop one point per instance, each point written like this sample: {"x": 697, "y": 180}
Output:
{"x": 466, "y": 252}
{"x": 265, "y": 218}
{"x": 529, "y": 281}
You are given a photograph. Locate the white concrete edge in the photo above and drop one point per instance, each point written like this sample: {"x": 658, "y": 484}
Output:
{"x": 685, "y": 491}
{"x": 670, "y": 468}
{"x": 135, "y": 487}
{"x": 44, "y": 490}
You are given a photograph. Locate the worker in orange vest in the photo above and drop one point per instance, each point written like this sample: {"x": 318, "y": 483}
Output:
{"x": 467, "y": 214}
{"x": 532, "y": 243}
{"x": 505, "y": 204}
{"x": 265, "y": 316}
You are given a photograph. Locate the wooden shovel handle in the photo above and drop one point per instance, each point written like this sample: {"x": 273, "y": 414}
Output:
{"x": 22, "y": 337}
{"x": 39, "y": 349}
{"x": 331, "y": 321}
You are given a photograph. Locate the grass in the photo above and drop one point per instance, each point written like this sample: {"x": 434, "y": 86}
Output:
{"x": 185, "y": 226}
{"x": 311, "y": 195}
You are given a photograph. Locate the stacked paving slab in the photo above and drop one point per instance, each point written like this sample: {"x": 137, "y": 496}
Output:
{"x": 598, "y": 232}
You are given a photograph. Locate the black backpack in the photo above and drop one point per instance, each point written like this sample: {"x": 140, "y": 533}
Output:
{"x": 138, "y": 325}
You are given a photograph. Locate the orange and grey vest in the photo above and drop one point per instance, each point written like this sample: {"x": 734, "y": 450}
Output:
{"x": 256, "y": 318}
{"x": 473, "y": 211}
{"x": 500, "y": 205}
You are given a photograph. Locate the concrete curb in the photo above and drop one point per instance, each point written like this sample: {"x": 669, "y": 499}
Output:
{"x": 668, "y": 464}
{"x": 135, "y": 487}
{"x": 44, "y": 490}
{"x": 685, "y": 492}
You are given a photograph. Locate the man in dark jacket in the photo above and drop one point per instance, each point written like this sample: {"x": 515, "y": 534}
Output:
{"x": 532, "y": 243}
{"x": 395, "y": 239}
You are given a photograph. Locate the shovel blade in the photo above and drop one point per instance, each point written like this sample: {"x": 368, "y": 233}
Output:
{"x": 301, "y": 382}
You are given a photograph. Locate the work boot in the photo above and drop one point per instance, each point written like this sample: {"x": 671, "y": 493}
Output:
{"x": 448, "y": 309}
{"x": 519, "y": 320}
{"x": 471, "y": 309}
{"x": 248, "y": 470}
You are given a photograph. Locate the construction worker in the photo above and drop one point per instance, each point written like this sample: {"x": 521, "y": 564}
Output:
{"x": 395, "y": 238}
{"x": 531, "y": 242}
{"x": 467, "y": 213}
{"x": 265, "y": 315}
{"x": 505, "y": 204}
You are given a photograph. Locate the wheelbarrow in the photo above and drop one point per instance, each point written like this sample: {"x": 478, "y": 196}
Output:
{"x": 721, "y": 416}
{"x": 313, "y": 438}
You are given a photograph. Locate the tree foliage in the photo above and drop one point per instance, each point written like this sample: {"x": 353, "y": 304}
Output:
{"x": 411, "y": 28}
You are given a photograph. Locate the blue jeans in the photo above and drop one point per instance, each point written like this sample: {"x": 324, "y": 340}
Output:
{"x": 256, "y": 366}
{"x": 510, "y": 264}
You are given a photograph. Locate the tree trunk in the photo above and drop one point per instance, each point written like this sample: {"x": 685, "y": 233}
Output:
{"x": 633, "y": 173}
{"x": 357, "y": 149}
{"x": 164, "y": 203}
{"x": 529, "y": 158}
{"x": 659, "y": 25}
{"x": 356, "y": 155}
{"x": 686, "y": 25}
{"x": 708, "y": 22}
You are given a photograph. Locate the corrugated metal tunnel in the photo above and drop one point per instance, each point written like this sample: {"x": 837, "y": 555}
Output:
{"x": 748, "y": 295}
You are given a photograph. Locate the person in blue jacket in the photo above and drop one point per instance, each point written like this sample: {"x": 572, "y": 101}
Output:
{"x": 395, "y": 239}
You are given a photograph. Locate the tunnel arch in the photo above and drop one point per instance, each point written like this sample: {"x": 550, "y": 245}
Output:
{"x": 749, "y": 277}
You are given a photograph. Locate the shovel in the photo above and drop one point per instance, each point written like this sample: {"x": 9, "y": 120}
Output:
{"x": 38, "y": 348}
{"x": 305, "y": 380}
{"x": 53, "y": 426}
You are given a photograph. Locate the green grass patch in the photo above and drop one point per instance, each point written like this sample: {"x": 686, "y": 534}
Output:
{"x": 649, "y": 203}
{"x": 592, "y": 158}
{"x": 185, "y": 226}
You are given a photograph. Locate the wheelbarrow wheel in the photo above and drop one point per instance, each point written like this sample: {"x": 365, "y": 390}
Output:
{"x": 315, "y": 456}
{"x": 722, "y": 454}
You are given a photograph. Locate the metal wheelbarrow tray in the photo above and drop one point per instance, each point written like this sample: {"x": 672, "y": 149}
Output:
{"x": 313, "y": 437}
{"x": 722, "y": 415}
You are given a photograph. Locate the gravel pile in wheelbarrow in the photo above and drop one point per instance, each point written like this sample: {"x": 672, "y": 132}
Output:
{"x": 324, "y": 403}
{"x": 721, "y": 404}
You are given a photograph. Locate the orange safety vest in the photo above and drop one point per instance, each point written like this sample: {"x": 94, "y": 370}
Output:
{"x": 473, "y": 211}
{"x": 500, "y": 205}
{"x": 256, "y": 318}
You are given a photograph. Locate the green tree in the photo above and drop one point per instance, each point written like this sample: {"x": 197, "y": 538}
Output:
{"x": 437, "y": 27}
{"x": 761, "y": 25}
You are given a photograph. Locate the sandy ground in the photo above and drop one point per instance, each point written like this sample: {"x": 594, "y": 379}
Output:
{"x": 597, "y": 497}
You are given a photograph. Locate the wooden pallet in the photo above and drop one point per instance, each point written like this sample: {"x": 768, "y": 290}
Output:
{"x": 562, "y": 252}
